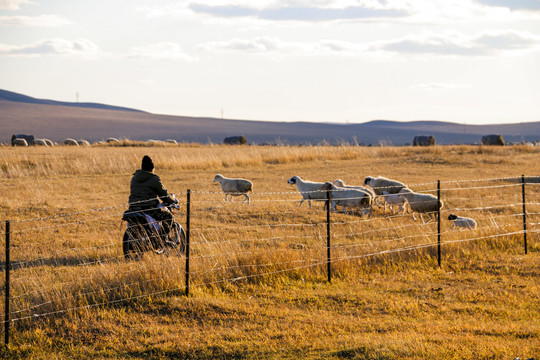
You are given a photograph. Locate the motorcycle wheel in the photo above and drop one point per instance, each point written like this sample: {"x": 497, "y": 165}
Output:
{"x": 176, "y": 241}
{"x": 132, "y": 243}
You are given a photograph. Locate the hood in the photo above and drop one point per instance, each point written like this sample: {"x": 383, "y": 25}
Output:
{"x": 141, "y": 176}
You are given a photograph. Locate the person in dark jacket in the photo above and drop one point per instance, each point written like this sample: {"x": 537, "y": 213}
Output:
{"x": 146, "y": 191}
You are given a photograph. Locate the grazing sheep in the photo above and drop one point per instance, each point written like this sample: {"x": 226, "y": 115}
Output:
{"x": 70, "y": 141}
{"x": 28, "y": 138}
{"x": 462, "y": 222}
{"x": 49, "y": 142}
{"x": 394, "y": 199}
{"x": 83, "y": 142}
{"x": 112, "y": 140}
{"x": 310, "y": 190}
{"x": 235, "y": 140}
{"x": 340, "y": 183}
{"x": 421, "y": 203}
{"x": 234, "y": 187}
{"x": 349, "y": 197}
{"x": 18, "y": 142}
{"x": 380, "y": 183}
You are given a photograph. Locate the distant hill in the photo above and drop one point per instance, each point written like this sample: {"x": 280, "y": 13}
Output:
{"x": 58, "y": 120}
{"x": 11, "y": 96}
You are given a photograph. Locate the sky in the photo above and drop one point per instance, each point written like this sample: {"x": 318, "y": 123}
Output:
{"x": 334, "y": 61}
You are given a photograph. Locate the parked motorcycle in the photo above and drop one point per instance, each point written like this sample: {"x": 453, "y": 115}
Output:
{"x": 144, "y": 233}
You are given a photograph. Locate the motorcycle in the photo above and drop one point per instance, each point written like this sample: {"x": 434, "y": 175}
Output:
{"x": 144, "y": 233}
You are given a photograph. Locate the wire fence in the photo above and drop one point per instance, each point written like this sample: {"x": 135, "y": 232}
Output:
{"x": 70, "y": 262}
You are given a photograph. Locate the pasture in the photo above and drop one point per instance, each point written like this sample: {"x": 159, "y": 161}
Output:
{"x": 258, "y": 272}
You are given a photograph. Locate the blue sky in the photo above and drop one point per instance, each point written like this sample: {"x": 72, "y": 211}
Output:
{"x": 342, "y": 61}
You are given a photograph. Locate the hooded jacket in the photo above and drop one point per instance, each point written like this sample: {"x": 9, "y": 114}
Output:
{"x": 145, "y": 189}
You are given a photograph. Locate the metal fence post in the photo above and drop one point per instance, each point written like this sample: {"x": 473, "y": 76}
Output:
{"x": 524, "y": 213}
{"x": 7, "y": 319}
{"x": 328, "y": 238}
{"x": 188, "y": 228}
{"x": 439, "y": 222}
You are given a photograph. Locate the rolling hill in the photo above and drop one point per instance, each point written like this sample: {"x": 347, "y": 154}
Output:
{"x": 91, "y": 121}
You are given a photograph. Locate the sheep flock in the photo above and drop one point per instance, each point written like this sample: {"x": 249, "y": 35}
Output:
{"x": 378, "y": 192}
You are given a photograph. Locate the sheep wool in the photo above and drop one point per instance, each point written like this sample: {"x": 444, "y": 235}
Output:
{"x": 234, "y": 187}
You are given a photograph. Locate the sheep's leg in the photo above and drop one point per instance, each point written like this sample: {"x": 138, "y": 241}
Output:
{"x": 246, "y": 199}
{"x": 414, "y": 217}
{"x": 301, "y": 201}
{"x": 226, "y": 198}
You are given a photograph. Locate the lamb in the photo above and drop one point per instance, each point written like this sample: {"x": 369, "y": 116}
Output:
{"x": 349, "y": 197}
{"x": 394, "y": 199}
{"x": 462, "y": 222}
{"x": 380, "y": 183}
{"x": 234, "y": 187}
{"x": 421, "y": 203}
{"x": 310, "y": 190}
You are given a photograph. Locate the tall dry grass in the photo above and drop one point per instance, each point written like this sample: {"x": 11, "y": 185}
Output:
{"x": 65, "y": 205}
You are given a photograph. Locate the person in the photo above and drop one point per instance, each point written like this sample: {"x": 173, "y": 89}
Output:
{"x": 146, "y": 191}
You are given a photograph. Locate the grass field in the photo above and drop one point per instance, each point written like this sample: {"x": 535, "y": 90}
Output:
{"x": 259, "y": 285}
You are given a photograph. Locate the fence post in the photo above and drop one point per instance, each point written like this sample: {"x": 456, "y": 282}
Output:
{"x": 328, "y": 239}
{"x": 7, "y": 319}
{"x": 439, "y": 222}
{"x": 188, "y": 228}
{"x": 524, "y": 212}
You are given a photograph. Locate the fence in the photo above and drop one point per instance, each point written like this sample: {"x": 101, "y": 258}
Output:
{"x": 71, "y": 262}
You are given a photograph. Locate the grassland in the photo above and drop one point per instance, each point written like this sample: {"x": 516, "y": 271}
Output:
{"x": 259, "y": 287}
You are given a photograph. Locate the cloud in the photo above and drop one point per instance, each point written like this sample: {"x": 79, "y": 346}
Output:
{"x": 296, "y": 13}
{"x": 440, "y": 86}
{"x": 12, "y": 4}
{"x": 488, "y": 43}
{"x": 527, "y": 5}
{"x": 159, "y": 51}
{"x": 35, "y": 21}
{"x": 79, "y": 48}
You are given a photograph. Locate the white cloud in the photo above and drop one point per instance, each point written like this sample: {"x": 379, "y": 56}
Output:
{"x": 440, "y": 86}
{"x": 12, "y": 4}
{"x": 35, "y": 21}
{"x": 525, "y": 5}
{"x": 487, "y": 43}
{"x": 79, "y": 48}
{"x": 160, "y": 51}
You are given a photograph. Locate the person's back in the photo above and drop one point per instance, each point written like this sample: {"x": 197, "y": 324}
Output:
{"x": 146, "y": 191}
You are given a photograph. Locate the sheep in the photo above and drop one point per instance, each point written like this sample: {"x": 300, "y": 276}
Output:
{"x": 340, "y": 183}
{"x": 234, "y": 187}
{"x": 83, "y": 142}
{"x": 394, "y": 199}
{"x": 310, "y": 190}
{"x": 462, "y": 222}
{"x": 380, "y": 183}
{"x": 421, "y": 203}
{"x": 349, "y": 197}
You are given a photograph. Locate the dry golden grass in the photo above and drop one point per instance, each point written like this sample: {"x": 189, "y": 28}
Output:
{"x": 258, "y": 281}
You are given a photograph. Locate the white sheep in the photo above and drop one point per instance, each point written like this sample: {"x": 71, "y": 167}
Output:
{"x": 462, "y": 222}
{"x": 234, "y": 187}
{"x": 40, "y": 142}
{"x": 340, "y": 183}
{"x": 19, "y": 142}
{"x": 380, "y": 183}
{"x": 70, "y": 141}
{"x": 394, "y": 199}
{"x": 310, "y": 190}
{"x": 349, "y": 197}
{"x": 421, "y": 203}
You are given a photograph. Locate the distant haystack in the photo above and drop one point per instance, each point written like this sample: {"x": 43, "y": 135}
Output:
{"x": 424, "y": 140}
{"x": 235, "y": 140}
{"x": 28, "y": 138}
{"x": 493, "y": 140}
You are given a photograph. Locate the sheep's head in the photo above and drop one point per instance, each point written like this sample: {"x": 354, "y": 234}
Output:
{"x": 339, "y": 182}
{"x": 292, "y": 180}
{"x": 328, "y": 186}
{"x": 368, "y": 180}
{"x": 218, "y": 177}
{"x": 452, "y": 217}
